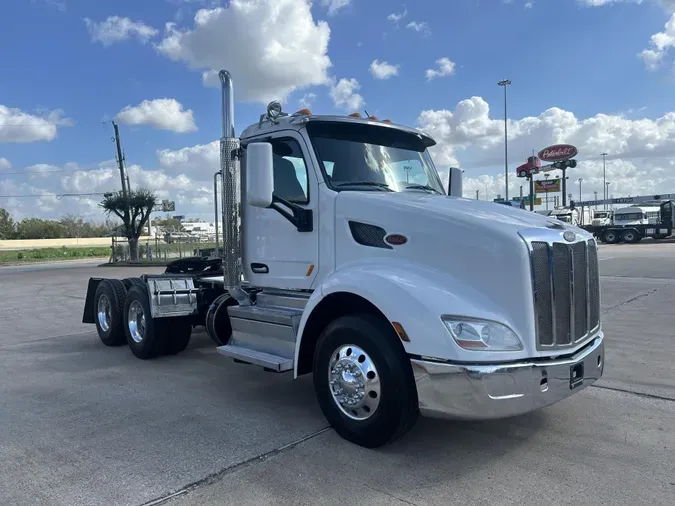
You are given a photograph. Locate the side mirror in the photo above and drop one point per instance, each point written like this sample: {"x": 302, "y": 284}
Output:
{"x": 259, "y": 174}
{"x": 455, "y": 182}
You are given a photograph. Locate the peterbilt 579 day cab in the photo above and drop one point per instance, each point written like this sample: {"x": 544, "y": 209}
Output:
{"x": 344, "y": 257}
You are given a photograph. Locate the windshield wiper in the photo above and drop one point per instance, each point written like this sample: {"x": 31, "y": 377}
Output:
{"x": 364, "y": 183}
{"x": 421, "y": 187}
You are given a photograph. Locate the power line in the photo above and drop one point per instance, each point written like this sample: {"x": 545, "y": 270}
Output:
{"x": 58, "y": 196}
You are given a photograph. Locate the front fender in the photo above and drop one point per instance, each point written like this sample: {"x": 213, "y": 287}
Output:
{"x": 415, "y": 297}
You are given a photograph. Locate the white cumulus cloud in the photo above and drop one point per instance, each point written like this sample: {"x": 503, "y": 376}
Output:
{"x": 395, "y": 17}
{"x": 661, "y": 42}
{"x": 641, "y": 151}
{"x": 271, "y": 47}
{"x": 161, "y": 114}
{"x": 344, "y": 94}
{"x": 383, "y": 69}
{"x": 445, "y": 67}
{"x": 420, "y": 27}
{"x": 116, "y": 29}
{"x": 200, "y": 161}
{"x": 307, "y": 100}
{"x": 4, "y": 164}
{"x": 335, "y": 5}
{"x": 19, "y": 126}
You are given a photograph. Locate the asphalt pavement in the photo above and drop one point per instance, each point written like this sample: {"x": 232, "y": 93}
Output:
{"x": 82, "y": 424}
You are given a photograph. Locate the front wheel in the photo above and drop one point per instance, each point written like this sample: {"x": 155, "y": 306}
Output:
{"x": 364, "y": 381}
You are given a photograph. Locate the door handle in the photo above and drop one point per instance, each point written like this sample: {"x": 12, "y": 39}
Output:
{"x": 260, "y": 268}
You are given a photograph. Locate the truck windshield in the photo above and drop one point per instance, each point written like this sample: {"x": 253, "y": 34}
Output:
{"x": 373, "y": 158}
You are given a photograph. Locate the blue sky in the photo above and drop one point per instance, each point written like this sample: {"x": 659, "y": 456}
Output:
{"x": 582, "y": 60}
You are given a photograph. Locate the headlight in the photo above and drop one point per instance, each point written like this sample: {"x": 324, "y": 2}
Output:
{"x": 481, "y": 335}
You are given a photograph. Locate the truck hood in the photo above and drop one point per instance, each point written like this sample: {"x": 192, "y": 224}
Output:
{"x": 470, "y": 249}
{"x": 468, "y": 212}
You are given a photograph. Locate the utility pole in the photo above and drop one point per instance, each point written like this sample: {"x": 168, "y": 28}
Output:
{"x": 604, "y": 177}
{"x": 120, "y": 164}
{"x": 505, "y": 83}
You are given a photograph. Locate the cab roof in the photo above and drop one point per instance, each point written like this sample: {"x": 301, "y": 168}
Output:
{"x": 296, "y": 121}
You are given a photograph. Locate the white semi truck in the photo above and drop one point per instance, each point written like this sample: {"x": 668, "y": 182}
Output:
{"x": 344, "y": 257}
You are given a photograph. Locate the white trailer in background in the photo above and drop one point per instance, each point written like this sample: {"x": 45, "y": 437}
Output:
{"x": 398, "y": 297}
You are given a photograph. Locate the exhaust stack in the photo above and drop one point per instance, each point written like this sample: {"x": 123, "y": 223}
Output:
{"x": 231, "y": 190}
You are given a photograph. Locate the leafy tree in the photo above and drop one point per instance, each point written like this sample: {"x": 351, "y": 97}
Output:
{"x": 133, "y": 211}
{"x": 37, "y": 228}
{"x": 7, "y": 226}
{"x": 168, "y": 224}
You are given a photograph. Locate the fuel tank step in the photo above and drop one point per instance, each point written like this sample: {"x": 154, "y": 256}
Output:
{"x": 267, "y": 360}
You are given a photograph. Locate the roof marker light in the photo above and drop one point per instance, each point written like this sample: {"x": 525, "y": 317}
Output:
{"x": 355, "y": 115}
{"x": 304, "y": 112}
{"x": 386, "y": 121}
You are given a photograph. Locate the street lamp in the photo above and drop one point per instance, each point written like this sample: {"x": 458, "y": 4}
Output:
{"x": 504, "y": 83}
{"x": 580, "y": 180}
{"x": 607, "y": 192}
{"x": 604, "y": 176}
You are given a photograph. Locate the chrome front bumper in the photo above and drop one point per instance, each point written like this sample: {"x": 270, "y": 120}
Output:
{"x": 482, "y": 392}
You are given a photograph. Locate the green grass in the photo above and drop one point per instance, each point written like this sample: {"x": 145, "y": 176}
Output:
{"x": 46, "y": 254}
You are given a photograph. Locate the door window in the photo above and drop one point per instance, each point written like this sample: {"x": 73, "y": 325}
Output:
{"x": 290, "y": 171}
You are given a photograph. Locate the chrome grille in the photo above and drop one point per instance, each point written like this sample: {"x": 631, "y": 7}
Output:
{"x": 566, "y": 292}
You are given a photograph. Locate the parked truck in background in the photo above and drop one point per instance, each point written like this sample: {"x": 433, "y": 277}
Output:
{"x": 345, "y": 258}
{"x": 634, "y": 223}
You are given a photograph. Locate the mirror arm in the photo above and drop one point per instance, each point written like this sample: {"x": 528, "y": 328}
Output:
{"x": 302, "y": 218}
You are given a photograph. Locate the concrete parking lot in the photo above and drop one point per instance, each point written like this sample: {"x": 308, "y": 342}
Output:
{"x": 82, "y": 424}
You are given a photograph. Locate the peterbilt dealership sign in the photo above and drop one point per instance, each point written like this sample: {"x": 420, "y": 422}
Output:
{"x": 558, "y": 153}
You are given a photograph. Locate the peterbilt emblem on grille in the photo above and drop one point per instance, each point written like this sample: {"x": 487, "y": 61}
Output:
{"x": 569, "y": 236}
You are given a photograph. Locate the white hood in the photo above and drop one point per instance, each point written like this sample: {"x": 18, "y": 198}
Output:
{"x": 469, "y": 247}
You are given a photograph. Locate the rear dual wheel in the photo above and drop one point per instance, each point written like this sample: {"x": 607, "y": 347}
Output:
{"x": 148, "y": 337}
{"x": 108, "y": 303}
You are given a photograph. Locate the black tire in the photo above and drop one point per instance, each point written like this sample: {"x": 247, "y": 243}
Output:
{"x": 129, "y": 282}
{"x": 610, "y": 237}
{"x": 178, "y": 332}
{"x": 218, "y": 325}
{"x": 114, "y": 292}
{"x": 152, "y": 332}
{"x": 522, "y": 173}
{"x": 398, "y": 407}
{"x": 630, "y": 236}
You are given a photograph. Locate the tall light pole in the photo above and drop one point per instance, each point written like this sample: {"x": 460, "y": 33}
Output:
{"x": 580, "y": 180}
{"x": 607, "y": 192}
{"x": 504, "y": 83}
{"x": 604, "y": 176}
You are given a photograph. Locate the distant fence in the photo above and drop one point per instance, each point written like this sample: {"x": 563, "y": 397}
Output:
{"x": 155, "y": 249}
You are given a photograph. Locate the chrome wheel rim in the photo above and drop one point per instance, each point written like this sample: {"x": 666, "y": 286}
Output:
{"x": 136, "y": 321}
{"x": 103, "y": 312}
{"x": 354, "y": 382}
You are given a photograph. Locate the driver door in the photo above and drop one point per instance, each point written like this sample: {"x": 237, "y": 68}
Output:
{"x": 276, "y": 254}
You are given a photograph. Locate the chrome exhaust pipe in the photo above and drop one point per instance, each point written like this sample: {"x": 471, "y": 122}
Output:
{"x": 215, "y": 207}
{"x": 231, "y": 190}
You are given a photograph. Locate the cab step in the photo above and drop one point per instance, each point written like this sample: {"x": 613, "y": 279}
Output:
{"x": 271, "y": 362}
